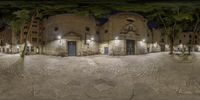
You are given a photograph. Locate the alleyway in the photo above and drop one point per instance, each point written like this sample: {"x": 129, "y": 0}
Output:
{"x": 156, "y": 76}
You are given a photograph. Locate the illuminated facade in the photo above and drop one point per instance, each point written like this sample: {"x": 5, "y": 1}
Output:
{"x": 157, "y": 41}
{"x": 35, "y": 37}
{"x": 70, "y": 35}
{"x": 75, "y": 35}
{"x": 8, "y": 41}
{"x": 186, "y": 40}
{"x": 124, "y": 34}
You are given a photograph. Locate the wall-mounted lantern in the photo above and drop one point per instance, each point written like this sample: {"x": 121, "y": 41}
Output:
{"x": 59, "y": 37}
{"x": 117, "y": 38}
{"x": 143, "y": 40}
{"x": 92, "y": 38}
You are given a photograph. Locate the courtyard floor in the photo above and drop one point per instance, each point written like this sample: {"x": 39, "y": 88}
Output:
{"x": 155, "y": 76}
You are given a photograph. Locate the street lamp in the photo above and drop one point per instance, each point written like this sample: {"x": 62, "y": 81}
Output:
{"x": 143, "y": 40}
{"x": 92, "y": 38}
{"x": 59, "y": 37}
{"x": 116, "y": 38}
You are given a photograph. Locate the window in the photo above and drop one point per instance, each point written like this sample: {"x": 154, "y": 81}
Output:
{"x": 34, "y": 32}
{"x": 1, "y": 43}
{"x": 97, "y": 32}
{"x": 56, "y": 29}
{"x": 195, "y": 41}
{"x": 34, "y": 39}
{"x": 195, "y": 36}
{"x": 32, "y": 49}
{"x": 25, "y": 33}
{"x": 34, "y": 21}
{"x": 87, "y": 28}
{"x": 180, "y": 41}
{"x": 190, "y": 36}
{"x": 25, "y": 27}
{"x": 148, "y": 35}
{"x": 40, "y": 40}
{"x": 106, "y": 31}
{"x": 190, "y": 41}
{"x": 162, "y": 40}
{"x": 130, "y": 20}
{"x": 27, "y": 49}
{"x": 34, "y": 25}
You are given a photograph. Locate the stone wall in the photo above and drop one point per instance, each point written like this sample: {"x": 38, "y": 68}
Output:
{"x": 70, "y": 27}
{"x": 121, "y": 27}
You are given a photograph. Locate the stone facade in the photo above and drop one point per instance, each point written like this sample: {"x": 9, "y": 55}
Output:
{"x": 186, "y": 39}
{"x": 35, "y": 37}
{"x": 61, "y": 30}
{"x": 157, "y": 41}
{"x": 124, "y": 34}
{"x": 75, "y": 35}
{"x": 7, "y": 42}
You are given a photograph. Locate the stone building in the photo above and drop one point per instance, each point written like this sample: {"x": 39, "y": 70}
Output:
{"x": 7, "y": 41}
{"x": 157, "y": 41}
{"x": 34, "y": 38}
{"x": 185, "y": 40}
{"x": 70, "y": 35}
{"x": 124, "y": 34}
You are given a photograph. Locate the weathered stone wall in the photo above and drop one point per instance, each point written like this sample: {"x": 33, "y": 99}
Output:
{"x": 117, "y": 24}
{"x": 155, "y": 47}
{"x": 117, "y": 47}
{"x": 121, "y": 27}
{"x": 66, "y": 23}
{"x": 70, "y": 27}
{"x": 183, "y": 38}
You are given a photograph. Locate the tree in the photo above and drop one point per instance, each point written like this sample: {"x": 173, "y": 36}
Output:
{"x": 20, "y": 19}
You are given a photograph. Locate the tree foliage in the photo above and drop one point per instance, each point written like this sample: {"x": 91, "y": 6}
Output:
{"x": 19, "y": 19}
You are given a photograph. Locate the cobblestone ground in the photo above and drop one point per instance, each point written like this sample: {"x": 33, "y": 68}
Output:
{"x": 156, "y": 76}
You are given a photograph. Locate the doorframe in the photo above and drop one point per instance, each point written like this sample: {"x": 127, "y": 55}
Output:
{"x": 134, "y": 45}
{"x": 75, "y": 47}
{"x": 107, "y": 51}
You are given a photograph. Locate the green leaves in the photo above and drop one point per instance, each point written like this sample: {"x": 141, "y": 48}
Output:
{"x": 19, "y": 19}
{"x": 22, "y": 14}
{"x": 183, "y": 17}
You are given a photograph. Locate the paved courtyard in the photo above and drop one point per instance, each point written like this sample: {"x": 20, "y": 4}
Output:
{"x": 156, "y": 76}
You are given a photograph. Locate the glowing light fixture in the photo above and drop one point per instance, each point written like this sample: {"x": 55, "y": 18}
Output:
{"x": 181, "y": 45}
{"x": 116, "y": 38}
{"x": 143, "y": 40}
{"x": 59, "y": 37}
{"x": 17, "y": 47}
{"x": 88, "y": 40}
{"x": 155, "y": 44}
{"x": 92, "y": 38}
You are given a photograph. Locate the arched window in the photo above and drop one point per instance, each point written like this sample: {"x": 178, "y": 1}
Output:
{"x": 56, "y": 29}
{"x": 87, "y": 28}
{"x": 130, "y": 20}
